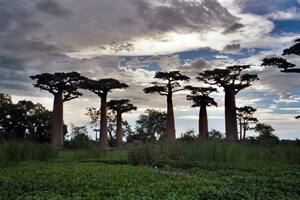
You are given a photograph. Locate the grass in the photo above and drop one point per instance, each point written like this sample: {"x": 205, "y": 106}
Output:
{"x": 168, "y": 171}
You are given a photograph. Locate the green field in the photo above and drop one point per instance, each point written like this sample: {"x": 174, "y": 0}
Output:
{"x": 67, "y": 178}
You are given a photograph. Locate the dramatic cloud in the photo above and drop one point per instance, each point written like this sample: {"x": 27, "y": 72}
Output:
{"x": 131, "y": 40}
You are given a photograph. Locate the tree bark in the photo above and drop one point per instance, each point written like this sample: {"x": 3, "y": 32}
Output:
{"x": 57, "y": 133}
{"x": 103, "y": 123}
{"x": 203, "y": 123}
{"x": 119, "y": 134}
{"x": 171, "y": 134}
{"x": 230, "y": 115}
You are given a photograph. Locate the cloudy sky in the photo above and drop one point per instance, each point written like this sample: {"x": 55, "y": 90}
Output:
{"x": 132, "y": 39}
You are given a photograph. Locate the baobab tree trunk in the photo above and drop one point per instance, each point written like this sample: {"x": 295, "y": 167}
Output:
{"x": 103, "y": 123}
{"x": 203, "y": 124}
{"x": 230, "y": 115}
{"x": 57, "y": 133}
{"x": 171, "y": 135}
{"x": 119, "y": 134}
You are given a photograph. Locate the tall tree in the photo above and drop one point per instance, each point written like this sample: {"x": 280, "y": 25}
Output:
{"x": 64, "y": 87}
{"x": 170, "y": 84}
{"x": 233, "y": 81}
{"x": 120, "y": 106}
{"x": 245, "y": 118}
{"x": 101, "y": 88}
{"x": 200, "y": 98}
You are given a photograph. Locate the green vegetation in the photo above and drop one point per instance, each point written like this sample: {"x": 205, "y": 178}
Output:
{"x": 197, "y": 153}
{"x": 98, "y": 181}
{"x": 16, "y": 151}
{"x": 177, "y": 170}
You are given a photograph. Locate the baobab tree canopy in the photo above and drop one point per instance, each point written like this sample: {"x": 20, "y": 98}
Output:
{"x": 200, "y": 96}
{"x": 282, "y": 63}
{"x": 229, "y": 77}
{"x": 103, "y": 86}
{"x": 172, "y": 82}
{"x": 65, "y": 83}
{"x": 121, "y": 105}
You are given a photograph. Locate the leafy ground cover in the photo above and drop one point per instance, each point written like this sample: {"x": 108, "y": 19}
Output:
{"x": 77, "y": 180}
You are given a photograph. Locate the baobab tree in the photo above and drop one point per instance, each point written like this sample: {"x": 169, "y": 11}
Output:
{"x": 233, "y": 81}
{"x": 170, "y": 84}
{"x": 120, "y": 106}
{"x": 200, "y": 98}
{"x": 245, "y": 118}
{"x": 282, "y": 63}
{"x": 64, "y": 87}
{"x": 101, "y": 88}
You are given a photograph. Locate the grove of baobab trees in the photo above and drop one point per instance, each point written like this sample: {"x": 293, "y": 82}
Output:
{"x": 233, "y": 81}
{"x": 101, "y": 88}
{"x": 170, "y": 84}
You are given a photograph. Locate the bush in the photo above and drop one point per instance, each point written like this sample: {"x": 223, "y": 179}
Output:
{"x": 16, "y": 151}
{"x": 219, "y": 152}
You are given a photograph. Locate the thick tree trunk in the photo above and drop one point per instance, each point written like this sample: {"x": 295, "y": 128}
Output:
{"x": 171, "y": 134}
{"x": 57, "y": 133}
{"x": 203, "y": 124}
{"x": 230, "y": 115}
{"x": 103, "y": 123}
{"x": 244, "y": 136}
{"x": 119, "y": 134}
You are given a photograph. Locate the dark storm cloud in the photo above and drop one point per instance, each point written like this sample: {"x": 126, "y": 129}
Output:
{"x": 234, "y": 28}
{"x": 183, "y": 14}
{"x": 52, "y": 7}
{"x": 232, "y": 48}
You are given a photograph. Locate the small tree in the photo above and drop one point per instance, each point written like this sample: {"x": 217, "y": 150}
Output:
{"x": 200, "y": 98}
{"x": 233, "y": 81}
{"x": 245, "y": 118}
{"x": 101, "y": 88}
{"x": 170, "y": 84}
{"x": 64, "y": 87}
{"x": 266, "y": 135}
{"x": 150, "y": 124}
{"x": 215, "y": 135}
{"x": 120, "y": 107}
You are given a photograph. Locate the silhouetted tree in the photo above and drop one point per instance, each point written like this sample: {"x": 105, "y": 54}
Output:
{"x": 101, "y": 88}
{"x": 120, "y": 107}
{"x": 170, "y": 84}
{"x": 150, "y": 124}
{"x": 64, "y": 87}
{"x": 297, "y": 117}
{"x": 200, "y": 97}
{"x": 266, "y": 135}
{"x": 282, "y": 63}
{"x": 25, "y": 120}
{"x": 245, "y": 118}
{"x": 233, "y": 81}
